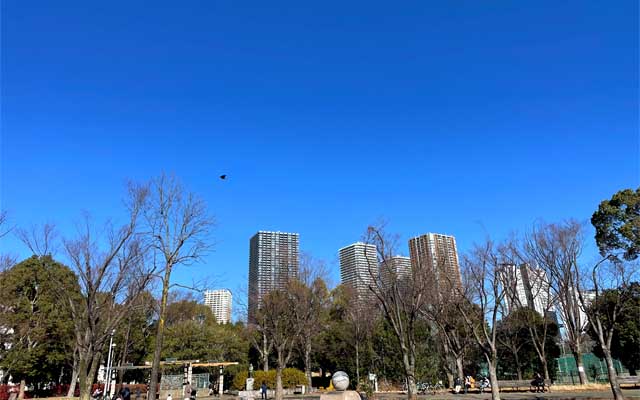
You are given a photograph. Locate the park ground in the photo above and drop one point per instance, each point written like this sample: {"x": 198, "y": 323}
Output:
{"x": 557, "y": 395}
{"x": 560, "y": 395}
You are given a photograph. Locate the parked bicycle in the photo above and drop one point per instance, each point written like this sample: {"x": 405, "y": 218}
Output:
{"x": 424, "y": 388}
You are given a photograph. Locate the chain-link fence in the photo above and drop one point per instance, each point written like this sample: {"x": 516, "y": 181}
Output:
{"x": 173, "y": 382}
{"x": 595, "y": 368}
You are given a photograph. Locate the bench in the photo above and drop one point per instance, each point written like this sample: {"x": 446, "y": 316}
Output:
{"x": 629, "y": 380}
{"x": 519, "y": 384}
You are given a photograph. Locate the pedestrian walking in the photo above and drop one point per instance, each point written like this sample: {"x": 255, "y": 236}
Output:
{"x": 187, "y": 391}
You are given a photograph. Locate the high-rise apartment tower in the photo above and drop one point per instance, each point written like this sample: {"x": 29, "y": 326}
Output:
{"x": 439, "y": 254}
{"x": 220, "y": 303}
{"x": 273, "y": 261}
{"x": 395, "y": 270}
{"x": 359, "y": 268}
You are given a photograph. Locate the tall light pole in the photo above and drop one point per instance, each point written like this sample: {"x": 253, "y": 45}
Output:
{"x": 107, "y": 385}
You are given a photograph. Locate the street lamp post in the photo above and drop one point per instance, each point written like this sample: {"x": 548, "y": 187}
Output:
{"x": 107, "y": 384}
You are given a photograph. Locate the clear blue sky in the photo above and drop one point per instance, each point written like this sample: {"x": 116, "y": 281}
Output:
{"x": 461, "y": 117}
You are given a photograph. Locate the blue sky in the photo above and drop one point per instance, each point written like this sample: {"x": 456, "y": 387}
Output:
{"x": 468, "y": 118}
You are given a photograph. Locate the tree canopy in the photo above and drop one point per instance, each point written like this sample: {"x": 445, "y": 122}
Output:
{"x": 36, "y": 327}
{"x": 617, "y": 223}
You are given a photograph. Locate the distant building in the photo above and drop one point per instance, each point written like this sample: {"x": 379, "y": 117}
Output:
{"x": 527, "y": 286}
{"x": 359, "y": 269}
{"x": 220, "y": 303}
{"x": 396, "y": 269}
{"x": 439, "y": 254}
{"x": 273, "y": 261}
{"x": 589, "y": 297}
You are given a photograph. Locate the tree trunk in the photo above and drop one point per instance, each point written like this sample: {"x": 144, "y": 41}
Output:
{"x": 581, "y": 372}
{"x": 545, "y": 367}
{"x": 123, "y": 353}
{"x": 460, "y": 367}
{"x": 449, "y": 378}
{"x": 23, "y": 383}
{"x": 279, "y": 389}
{"x": 74, "y": 375}
{"x": 265, "y": 353}
{"x": 357, "y": 365}
{"x": 410, "y": 373}
{"x": 85, "y": 381}
{"x": 307, "y": 362}
{"x": 493, "y": 378}
{"x": 518, "y": 366}
{"x": 613, "y": 375}
{"x": 87, "y": 372}
{"x": 155, "y": 367}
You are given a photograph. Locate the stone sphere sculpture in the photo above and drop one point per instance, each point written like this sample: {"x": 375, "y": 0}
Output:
{"x": 340, "y": 380}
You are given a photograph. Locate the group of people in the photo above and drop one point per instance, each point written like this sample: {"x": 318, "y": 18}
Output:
{"x": 123, "y": 394}
{"x": 469, "y": 382}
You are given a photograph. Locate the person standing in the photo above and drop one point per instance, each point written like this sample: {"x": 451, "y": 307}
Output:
{"x": 187, "y": 391}
{"x": 263, "y": 391}
{"x": 125, "y": 393}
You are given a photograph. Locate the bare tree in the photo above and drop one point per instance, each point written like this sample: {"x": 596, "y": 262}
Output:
{"x": 556, "y": 249}
{"x": 361, "y": 318}
{"x": 611, "y": 291}
{"x": 401, "y": 304}
{"x": 178, "y": 227}
{"x": 539, "y": 295}
{"x": 6, "y": 261}
{"x": 40, "y": 239}
{"x": 112, "y": 273}
{"x": 482, "y": 298}
{"x": 4, "y": 229}
{"x": 255, "y": 331}
{"x": 259, "y": 338}
{"x": 279, "y": 312}
{"x": 452, "y": 332}
{"x": 311, "y": 296}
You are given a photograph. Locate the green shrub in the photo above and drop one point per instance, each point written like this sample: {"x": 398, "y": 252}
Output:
{"x": 239, "y": 380}
{"x": 268, "y": 377}
{"x": 292, "y": 377}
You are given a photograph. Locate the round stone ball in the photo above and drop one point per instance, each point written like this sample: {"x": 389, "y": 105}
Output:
{"x": 340, "y": 380}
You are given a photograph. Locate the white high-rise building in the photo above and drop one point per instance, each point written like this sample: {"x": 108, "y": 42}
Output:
{"x": 527, "y": 286}
{"x": 220, "y": 303}
{"x": 396, "y": 269}
{"x": 359, "y": 268}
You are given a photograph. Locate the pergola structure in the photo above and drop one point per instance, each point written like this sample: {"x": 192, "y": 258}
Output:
{"x": 187, "y": 367}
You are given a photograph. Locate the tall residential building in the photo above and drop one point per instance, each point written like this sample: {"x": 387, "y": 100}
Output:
{"x": 439, "y": 254}
{"x": 396, "y": 269}
{"x": 273, "y": 261}
{"x": 359, "y": 268}
{"x": 220, "y": 303}
{"x": 527, "y": 286}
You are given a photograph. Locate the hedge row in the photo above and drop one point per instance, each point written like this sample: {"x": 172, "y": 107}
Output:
{"x": 291, "y": 377}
